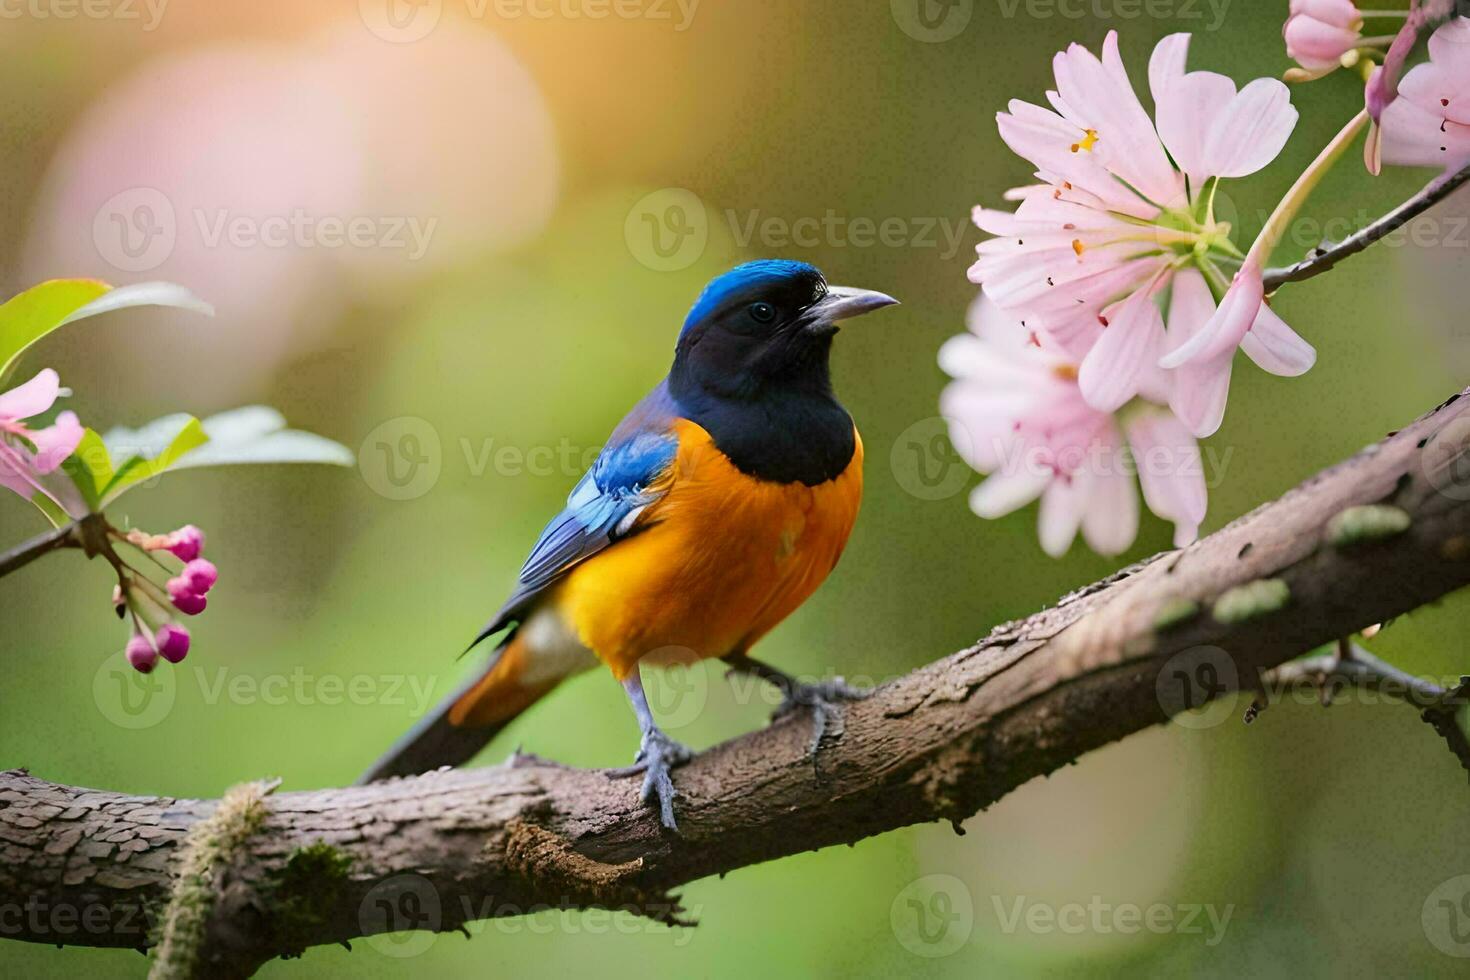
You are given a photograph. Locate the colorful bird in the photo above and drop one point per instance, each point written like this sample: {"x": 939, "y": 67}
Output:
{"x": 720, "y": 503}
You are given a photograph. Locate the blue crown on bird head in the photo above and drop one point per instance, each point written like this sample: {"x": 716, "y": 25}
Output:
{"x": 754, "y": 277}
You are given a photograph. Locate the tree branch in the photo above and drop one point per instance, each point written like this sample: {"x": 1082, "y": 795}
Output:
{"x": 1325, "y": 256}
{"x": 1372, "y": 538}
{"x": 66, "y": 536}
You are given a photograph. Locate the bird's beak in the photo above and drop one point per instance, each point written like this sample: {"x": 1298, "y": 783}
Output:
{"x": 845, "y": 302}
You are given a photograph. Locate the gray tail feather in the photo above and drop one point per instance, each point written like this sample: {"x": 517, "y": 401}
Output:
{"x": 434, "y": 742}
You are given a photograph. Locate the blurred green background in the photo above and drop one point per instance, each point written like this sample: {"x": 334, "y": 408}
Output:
{"x": 473, "y": 374}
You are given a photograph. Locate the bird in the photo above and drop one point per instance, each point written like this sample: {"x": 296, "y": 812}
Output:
{"x": 718, "y": 506}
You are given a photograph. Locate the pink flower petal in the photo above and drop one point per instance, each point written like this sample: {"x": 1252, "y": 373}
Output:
{"x": 32, "y": 398}
{"x": 1170, "y": 470}
{"x": 1429, "y": 124}
{"x": 1062, "y": 506}
{"x": 1200, "y": 393}
{"x": 1251, "y": 130}
{"x": 1449, "y": 49}
{"x": 1005, "y": 492}
{"x": 1190, "y": 306}
{"x": 1129, "y": 345}
{"x": 1229, "y": 324}
{"x": 1188, "y": 112}
{"x": 1277, "y": 348}
{"x": 56, "y": 442}
{"x": 1166, "y": 66}
{"x": 1316, "y": 45}
{"x": 1431, "y": 86}
{"x": 13, "y": 481}
{"x": 1111, "y": 521}
{"x": 1339, "y": 13}
{"x": 1100, "y": 97}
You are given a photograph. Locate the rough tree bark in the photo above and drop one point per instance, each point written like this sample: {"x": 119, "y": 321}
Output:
{"x": 1381, "y": 534}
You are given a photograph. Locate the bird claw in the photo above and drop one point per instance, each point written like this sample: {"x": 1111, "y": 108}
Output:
{"x": 657, "y": 756}
{"x": 825, "y": 698}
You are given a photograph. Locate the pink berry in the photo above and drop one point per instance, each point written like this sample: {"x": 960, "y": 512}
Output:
{"x": 185, "y": 599}
{"x": 200, "y": 574}
{"x": 187, "y": 543}
{"x": 141, "y": 654}
{"x": 173, "y": 642}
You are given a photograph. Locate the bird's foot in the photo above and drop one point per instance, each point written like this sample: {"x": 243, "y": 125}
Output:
{"x": 825, "y": 699}
{"x": 657, "y": 757}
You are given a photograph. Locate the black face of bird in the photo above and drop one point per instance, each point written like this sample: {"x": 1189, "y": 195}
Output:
{"x": 766, "y": 323}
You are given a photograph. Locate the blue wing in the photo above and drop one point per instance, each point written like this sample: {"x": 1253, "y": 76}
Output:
{"x": 603, "y": 507}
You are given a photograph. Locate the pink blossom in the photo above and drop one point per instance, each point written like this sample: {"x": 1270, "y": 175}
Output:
{"x": 173, "y": 642}
{"x": 154, "y": 607}
{"x": 1428, "y": 125}
{"x": 1017, "y": 412}
{"x": 28, "y": 454}
{"x": 200, "y": 574}
{"x": 141, "y": 655}
{"x": 186, "y": 544}
{"x": 1319, "y": 32}
{"x": 1203, "y": 340}
{"x": 181, "y": 593}
{"x": 1086, "y": 251}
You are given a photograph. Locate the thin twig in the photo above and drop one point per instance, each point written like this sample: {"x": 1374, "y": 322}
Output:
{"x": 1443, "y": 718}
{"x": 1324, "y": 257}
{"x": 1352, "y": 666}
{"x": 66, "y": 536}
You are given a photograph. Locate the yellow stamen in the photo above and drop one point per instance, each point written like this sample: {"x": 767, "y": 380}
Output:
{"x": 1088, "y": 141}
{"x": 1066, "y": 372}
{"x": 1078, "y": 247}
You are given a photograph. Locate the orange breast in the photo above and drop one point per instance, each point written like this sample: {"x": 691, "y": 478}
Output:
{"x": 723, "y": 558}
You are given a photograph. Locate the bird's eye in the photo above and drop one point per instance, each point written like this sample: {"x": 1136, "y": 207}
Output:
{"x": 762, "y": 312}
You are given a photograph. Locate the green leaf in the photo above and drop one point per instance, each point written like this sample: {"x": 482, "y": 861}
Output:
{"x": 90, "y": 468}
{"x": 152, "y": 450}
{"x": 53, "y": 513}
{"x": 258, "y": 434}
{"x": 31, "y": 315}
{"x": 255, "y": 434}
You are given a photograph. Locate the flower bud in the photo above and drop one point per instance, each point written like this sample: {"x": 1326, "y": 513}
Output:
{"x": 200, "y": 574}
{"x": 187, "y": 543}
{"x": 185, "y": 599}
{"x": 173, "y": 642}
{"x": 141, "y": 654}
